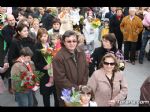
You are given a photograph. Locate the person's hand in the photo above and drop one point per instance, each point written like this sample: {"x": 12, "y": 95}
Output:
{"x": 111, "y": 102}
{"x": 6, "y": 65}
{"x": 47, "y": 67}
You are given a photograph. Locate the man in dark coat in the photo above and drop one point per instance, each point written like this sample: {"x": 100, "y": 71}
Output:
{"x": 115, "y": 27}
{"x": 145, "y": 93}
{"x": 45, "y": 18}
{"x": 9, "y": 30}
{"x": 70, "y": 68}
{"x": 111, "y": 12}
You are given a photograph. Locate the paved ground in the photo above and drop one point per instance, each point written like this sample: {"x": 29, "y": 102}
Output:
{"x": 135, "y": 75}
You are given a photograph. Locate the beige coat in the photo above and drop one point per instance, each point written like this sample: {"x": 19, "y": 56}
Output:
{"x": 131, "y": 29}
{"x": 102, "y": 88}
{"x": 66, "y": 24}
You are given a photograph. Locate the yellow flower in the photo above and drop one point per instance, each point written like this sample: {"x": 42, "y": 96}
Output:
{"x": 95, "y": 23}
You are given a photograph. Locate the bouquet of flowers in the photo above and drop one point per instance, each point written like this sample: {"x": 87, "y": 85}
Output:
{"x": 120, "y": 58}
{"x": 95, "y": 23}
{"x": 81, "y": 20}
{"x": 71, "y": 97}
{"x": 26, "y": 80}
{"x": 48, "y": 54}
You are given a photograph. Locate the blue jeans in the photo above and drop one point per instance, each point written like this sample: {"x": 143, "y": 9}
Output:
{"x": 24, "y": 99}
{"x": 145, "y": 39}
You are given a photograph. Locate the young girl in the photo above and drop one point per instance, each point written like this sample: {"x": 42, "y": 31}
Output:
{"x": 47, "y": 54}
{"x": 43, "y": 59}
{"x": 56, "y": 39}
{"x": 87, "y": 97}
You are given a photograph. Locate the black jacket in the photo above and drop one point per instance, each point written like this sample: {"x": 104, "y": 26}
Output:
{"x": 39, "y": 64}
{"x": 46, "y": 20}
{"x": 115, "y": 26}
{"x": 16, "y": 46}
{"x": 8, "y": 33}
{"x": 97, "y": 56}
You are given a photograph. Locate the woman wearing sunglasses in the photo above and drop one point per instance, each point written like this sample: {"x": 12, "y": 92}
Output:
{"x": 108, "y": 45}
{"x": 108, "y": 83}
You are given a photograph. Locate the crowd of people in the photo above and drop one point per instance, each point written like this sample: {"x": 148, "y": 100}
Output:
{"x": 80, "y": 47}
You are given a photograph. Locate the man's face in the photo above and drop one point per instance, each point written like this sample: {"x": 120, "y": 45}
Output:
{"x": 41, "y": 10}
{"x": 71, "y": 43}
{"x": 11, "y": 20}
{"x": 132, "y": 12}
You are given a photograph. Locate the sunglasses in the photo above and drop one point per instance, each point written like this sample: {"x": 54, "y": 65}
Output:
{"x": 106, "y": 63}
{"x": 69, "y": 41}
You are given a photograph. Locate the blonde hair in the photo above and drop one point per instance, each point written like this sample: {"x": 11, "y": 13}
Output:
{"x": 35, "y": 20}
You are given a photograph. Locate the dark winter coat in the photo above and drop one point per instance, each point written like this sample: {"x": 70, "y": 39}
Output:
{"x": 69, "y": 73}
{"x": 40, "y": 63}
{"x": 46, "y": 20}
{"x": 8, "y": 33}
{"x": 96, "y": 58}
{"x": 115, "y": 28}
{"x": 16, "y": 46}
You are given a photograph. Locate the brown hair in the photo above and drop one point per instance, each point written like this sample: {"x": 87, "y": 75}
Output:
{"x": 26, "y": 51}
{"x": 119, "y": 8}
{"x": 56, "y": 20}
{"x": 110, "y": 55}
{"x": 87, "y": 90}
{"x": 111, "y": 38}
{"x": 40, "y": 33}
{"x": 19, "y": 28}
{"x": 67, "y": 34}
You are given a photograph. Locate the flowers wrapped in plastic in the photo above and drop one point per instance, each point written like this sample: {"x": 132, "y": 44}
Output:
{"x": 96, "y": 23}
{"x": 71, "y": 97}
{"x": 120, "y": 58}
{"x": 26, "y": 80}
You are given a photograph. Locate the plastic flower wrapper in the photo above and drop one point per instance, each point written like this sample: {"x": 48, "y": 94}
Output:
{"x": 120, "y": 58}
{"x": 96, "y": 23}
{"x": 71, "y": 97}
{"x": 48, "y": 53}
{"x": 81, "y": 20}
{"x": 26, "y": 80}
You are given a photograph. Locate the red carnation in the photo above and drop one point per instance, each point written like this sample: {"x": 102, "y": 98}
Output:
{"x": 30, "y": 87}
{"x": 26, "y": 83}
{"x": 28, "y": 78}
{"x": 33, "y": 77}
{"x": 23, "y": 75}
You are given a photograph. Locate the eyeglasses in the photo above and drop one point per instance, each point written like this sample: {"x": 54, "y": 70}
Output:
{"x": 106, "y": 63}
{"x": 69, "y": 41}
